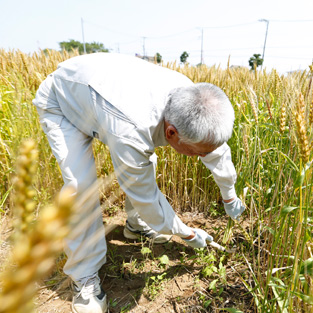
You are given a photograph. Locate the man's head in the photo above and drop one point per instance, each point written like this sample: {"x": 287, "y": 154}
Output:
{"x": 198, "y": 118}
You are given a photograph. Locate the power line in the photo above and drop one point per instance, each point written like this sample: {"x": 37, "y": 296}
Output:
{"x": 149, "y": 37}
{"x": 230, "y": 26}
{"x": 291, "y": 58}
{"x": 291, "y": 21}
{"x": 129, "y": 42}
{"x": 172, "y": 35}
{"x": 192, "y": 29}
{"x": 192, "y": 38}
{"x": 111, "y": 30}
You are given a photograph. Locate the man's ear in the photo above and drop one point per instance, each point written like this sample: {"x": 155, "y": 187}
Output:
{"x": 171, "y": 132}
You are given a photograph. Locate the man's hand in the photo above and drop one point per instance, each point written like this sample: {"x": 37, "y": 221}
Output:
{"x": 199, "y": 240}
{"x": 234, "y": 208}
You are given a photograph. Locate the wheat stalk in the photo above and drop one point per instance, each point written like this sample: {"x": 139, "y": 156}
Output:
{"x": 269, "y": 110}
{"x": 246, "y": 146}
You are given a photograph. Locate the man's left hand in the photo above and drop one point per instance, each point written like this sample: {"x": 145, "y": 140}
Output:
{"x": 234, "y": 208}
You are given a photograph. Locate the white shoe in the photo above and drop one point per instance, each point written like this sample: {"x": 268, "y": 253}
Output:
{"x": 88, "y": 296}
{"x": 132, "y": 233}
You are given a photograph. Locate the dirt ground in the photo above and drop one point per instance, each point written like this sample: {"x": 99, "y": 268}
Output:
{"x": 137, "y": 282}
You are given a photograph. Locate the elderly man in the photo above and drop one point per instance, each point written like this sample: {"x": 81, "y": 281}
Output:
{"x": 133, "y": 107}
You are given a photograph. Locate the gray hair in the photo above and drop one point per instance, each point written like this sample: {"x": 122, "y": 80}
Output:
{"x": 201, "y": 113}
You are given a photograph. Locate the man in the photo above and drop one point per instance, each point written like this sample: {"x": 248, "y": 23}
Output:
{"x": 132, "y": 106}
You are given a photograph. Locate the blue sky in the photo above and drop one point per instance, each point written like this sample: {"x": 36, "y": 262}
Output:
{"x": 230, "y": 28}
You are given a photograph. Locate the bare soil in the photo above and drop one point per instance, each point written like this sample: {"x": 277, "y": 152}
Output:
{"x": 135, "y": 282}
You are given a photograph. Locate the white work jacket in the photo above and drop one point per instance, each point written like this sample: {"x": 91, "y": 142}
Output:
{"x": 120, "y": 100}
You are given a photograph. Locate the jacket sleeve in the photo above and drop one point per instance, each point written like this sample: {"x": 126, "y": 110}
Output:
{"x": 135, "y": 174}
{"x": 222, "y": 168}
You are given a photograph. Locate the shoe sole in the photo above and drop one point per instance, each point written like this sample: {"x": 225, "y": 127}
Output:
{"x": 131, "y": 235}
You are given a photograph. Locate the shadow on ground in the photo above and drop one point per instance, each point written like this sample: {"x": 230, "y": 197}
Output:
{"x": 140, "y": 277}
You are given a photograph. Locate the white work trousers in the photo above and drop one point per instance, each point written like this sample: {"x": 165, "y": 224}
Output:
{"x": 85, "y": 246}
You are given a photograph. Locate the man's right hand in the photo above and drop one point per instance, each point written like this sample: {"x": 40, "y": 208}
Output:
{"x": 200, "y": 238}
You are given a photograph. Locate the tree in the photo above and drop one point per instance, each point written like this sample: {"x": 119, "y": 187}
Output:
{"x": 183, "y": 57}
{"x": 255, "y": 61}
{"x": 90, "y": 47}
{"x": 158, "y": 57}
{"x": 95, "y": 47}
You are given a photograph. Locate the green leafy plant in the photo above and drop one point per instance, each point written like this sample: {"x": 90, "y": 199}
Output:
{"x": 154, "y": 285}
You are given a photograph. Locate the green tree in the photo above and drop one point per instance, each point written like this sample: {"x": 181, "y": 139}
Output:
{"x": 90, "y": 47}
{"x": 158, "y": 57}
{"x": 255, "y": 61}
{"x": 183, "y": 57}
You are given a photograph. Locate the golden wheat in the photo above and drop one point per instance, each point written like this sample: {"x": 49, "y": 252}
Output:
{"x": 253, "y": 102}
{"x": 282, "y": 120}
{"x": 35, "y": 248}
{"x": 311, "y": 113}
{"x": 25, "y": 192}
{"x": 302, "y": 130}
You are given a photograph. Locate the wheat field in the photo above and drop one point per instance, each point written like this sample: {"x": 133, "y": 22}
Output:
{"x": 271, "y": 146}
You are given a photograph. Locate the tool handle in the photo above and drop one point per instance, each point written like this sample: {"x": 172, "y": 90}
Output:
{"x": 216, "y": 245}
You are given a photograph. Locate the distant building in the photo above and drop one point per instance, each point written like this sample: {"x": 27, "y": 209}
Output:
{"x": 235, "y": 67}
{"x": 147, "y": 58}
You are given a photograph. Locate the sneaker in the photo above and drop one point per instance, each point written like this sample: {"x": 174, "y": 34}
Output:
{"x": 88, "y": 296}
{"x": 132, "y": 233}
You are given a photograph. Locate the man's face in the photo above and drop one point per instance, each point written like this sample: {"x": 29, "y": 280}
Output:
{"x": 199, "y": 149}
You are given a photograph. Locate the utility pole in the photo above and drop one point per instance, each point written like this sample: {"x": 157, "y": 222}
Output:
{"x": 267, "y": 22}
{"x": 144, "y": 46}
{"x": 82, "y": 21}
{"x": 201, "y": 62}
